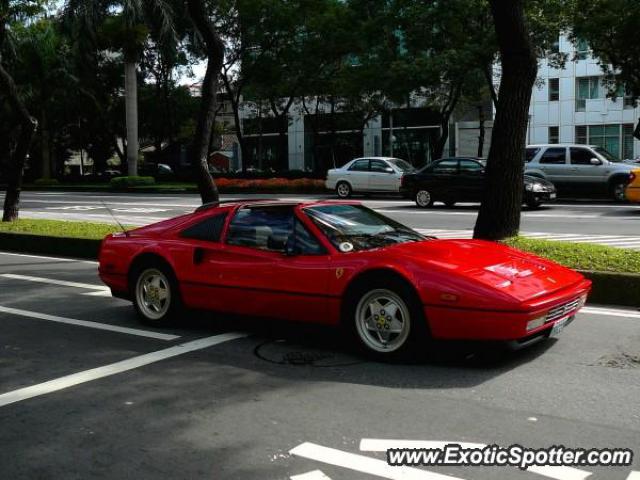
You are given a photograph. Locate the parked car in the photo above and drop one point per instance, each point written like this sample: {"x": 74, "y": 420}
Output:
{"x": 368, "y": 175}
{"x": 589, "y": 168}
{"x": 339, "y": 263}
{"x": 633, "y": 189}
{"x": 461, "y": 179}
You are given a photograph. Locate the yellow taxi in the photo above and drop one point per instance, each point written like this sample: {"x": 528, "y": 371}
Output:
{"x": 633, "y": 188}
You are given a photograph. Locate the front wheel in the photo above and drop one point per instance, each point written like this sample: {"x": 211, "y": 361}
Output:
{"x": 155, "y": 296}
{"x": 386, "y": 318}
{"x": 343, "y": 190}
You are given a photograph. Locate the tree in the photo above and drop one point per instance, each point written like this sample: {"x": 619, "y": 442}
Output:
{"x": 610, "y": 27}
{"x": 499, "y": 215}
{"x": 10, "y": 11}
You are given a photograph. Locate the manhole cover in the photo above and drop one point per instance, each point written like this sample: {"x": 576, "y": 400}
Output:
{"x": 284, "y": 353}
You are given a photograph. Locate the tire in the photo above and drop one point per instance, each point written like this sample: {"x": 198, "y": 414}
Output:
{"x": 343, "y": 190}
{"x": 423, "y": 198}
{"x": 533, "y": 204}
{"x": 159, "y": 306}
{"x": 372, "y": 327}
{"x": 618, "y": 188}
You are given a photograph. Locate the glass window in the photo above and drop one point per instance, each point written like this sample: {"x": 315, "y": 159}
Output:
{"x": 209, "y": 229}
{"x": 582, "y": 49}
{"x": 581, "y": 156}
{"x": 360, "y": 166}
{"x": 470, "y": 166}
{"x": 554, "y": 135}
{"x": 265, "y": 228}
{"x": 402, "y": 165}
{"x": 304, "y": 243}
{"x": 587, "y": 88}
{"x": 446, "y": 167}
{"x": 529, "y": 153}
{"x": 627, "y": 141}
{"x": 606, "y": 154}
{"x": 554, "y": 89}
{"x": 554, "y": 155}
{"x": 355, "y": 227}
{"x": 379, "y": 166}
{"x": 581, "y": 134}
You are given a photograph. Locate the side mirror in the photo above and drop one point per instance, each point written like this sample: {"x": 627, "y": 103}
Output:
{"x": 595, "y": 161}
{"x": 290, "y": 248}
{"x": 276, "y": 242}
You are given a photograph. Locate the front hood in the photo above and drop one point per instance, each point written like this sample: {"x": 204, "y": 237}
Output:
{"x": 507, "y": 272}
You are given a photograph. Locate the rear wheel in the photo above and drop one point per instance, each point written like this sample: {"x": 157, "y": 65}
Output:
{"x": 385, "y": 316}
{"x": 155, "y": 293}
{"x": 618, "y": 188}
{"x": 343, "y": 190}
{"x": 423, "y": 199}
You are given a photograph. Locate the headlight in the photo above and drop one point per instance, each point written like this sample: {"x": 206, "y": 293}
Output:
{"x": 535, "y": 323}
{"x": 537, "y": 187}
{"x": 528, "y": 187}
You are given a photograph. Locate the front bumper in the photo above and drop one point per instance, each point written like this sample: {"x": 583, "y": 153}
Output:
{"x": 540, "y": 197}
{"x": 453, "y": 323}
{"x": 633, "y": 194}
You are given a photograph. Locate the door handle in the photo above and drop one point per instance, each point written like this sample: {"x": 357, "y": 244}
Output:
{"x": 198, "y": 255}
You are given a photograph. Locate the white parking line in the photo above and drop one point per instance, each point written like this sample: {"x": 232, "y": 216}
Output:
{"x": 634, "y": 476}
{"x": 382, "y": 445}
{"x": 314, "y": 475}
{"x": 114, "y": 368}
{"x": 85, "y": 323}
{"x": 612, "y": 312}
{"x": 59, "y": 259}
{"x": 364, "y": 464}
{"x": 97, "y": 289}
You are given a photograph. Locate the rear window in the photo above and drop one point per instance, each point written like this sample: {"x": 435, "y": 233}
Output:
{"x": 554, "y": 156}
{"x": 209, "y": 229}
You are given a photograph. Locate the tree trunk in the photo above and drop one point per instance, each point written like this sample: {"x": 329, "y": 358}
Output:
{"x": 45, "y": 145}
{"x": 208, "y": 106}
{"x": 131, "y": 113}
{"x": 499, "y": 215}
{"x": 481, "y": 131}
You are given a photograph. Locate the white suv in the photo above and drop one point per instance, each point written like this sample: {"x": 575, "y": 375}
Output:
{"x": 573, "y": 166}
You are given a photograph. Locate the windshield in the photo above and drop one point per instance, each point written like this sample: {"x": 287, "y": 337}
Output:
{"x": 354, "y": 227}
{"x": 402, "y": 165}
{"x": 606, "y": 154}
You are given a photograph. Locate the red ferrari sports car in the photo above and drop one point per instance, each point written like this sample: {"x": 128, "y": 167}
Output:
{"x": 339, "y": 263}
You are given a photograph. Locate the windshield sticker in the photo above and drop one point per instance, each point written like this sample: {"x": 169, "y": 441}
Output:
{"x": 346, "y": 247}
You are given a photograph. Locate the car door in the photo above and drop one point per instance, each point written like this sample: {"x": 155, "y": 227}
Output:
{"x": 251, "y": 275}
{"x": 583, "y": 171}
{"x": 553, "y": 163}
{"x": 383, "y": 177}
{"x": 358, "y": 175}
{"x": 470, "y": 180}
{"x": 444, "y": 179}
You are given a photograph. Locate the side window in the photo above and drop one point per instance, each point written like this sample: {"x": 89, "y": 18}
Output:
{"x": 554, "y": 156}
{"x": 305, "y": 242}
{"x": 264, "y": 228}
{"x": 209, "y": 229}
{"x": 379, "y": 166}
{"x": 360, "y": 166}
{"x": 530, "y": 153}
{"x": 446, "y": 167}
{"x": 469, "y": 167}
{"x": 581, "y": 156}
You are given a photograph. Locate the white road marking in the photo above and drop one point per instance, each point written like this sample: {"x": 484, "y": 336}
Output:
{"x": 98, "y": 289}
{"x": 59, "y": 259}
{"x": 364, "y": 464}
{"x": 85, "y": 323}
{"x": 382, "y": 445}
{"x": 314, "y": 475}
{"x": 612, "y": 312}
{"x": 634, "y": 476}
{"x": 114, "y": 368}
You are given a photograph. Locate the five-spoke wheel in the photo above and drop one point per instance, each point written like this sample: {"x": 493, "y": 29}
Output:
{"x": 383, "y": 321}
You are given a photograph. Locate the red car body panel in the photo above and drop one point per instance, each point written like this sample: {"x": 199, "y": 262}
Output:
{"x": 470, "y": 289}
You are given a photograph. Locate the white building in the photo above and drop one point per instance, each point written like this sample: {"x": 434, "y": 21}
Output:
{"x": 570, "y": 105}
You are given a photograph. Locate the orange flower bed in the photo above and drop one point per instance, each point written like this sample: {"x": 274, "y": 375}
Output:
{"x": 279, "y": 184}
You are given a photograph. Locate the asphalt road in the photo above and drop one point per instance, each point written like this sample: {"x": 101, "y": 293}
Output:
{"x": 594, "y": 222}
{"x": 88, "y": 393}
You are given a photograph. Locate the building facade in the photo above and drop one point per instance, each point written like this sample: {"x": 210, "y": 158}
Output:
{"x": 571, "y": 105}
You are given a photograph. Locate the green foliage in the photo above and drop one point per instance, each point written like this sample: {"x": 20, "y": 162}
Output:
{"x": 581, "y": 256}
{"x": 41, "y": 182}
{"x": 128, "y": 182}
{"x": 58, "y": 228}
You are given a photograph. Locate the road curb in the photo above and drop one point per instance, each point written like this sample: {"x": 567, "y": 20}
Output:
{"x": 609, "y": 288}
{"x": 41, "y": 244}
